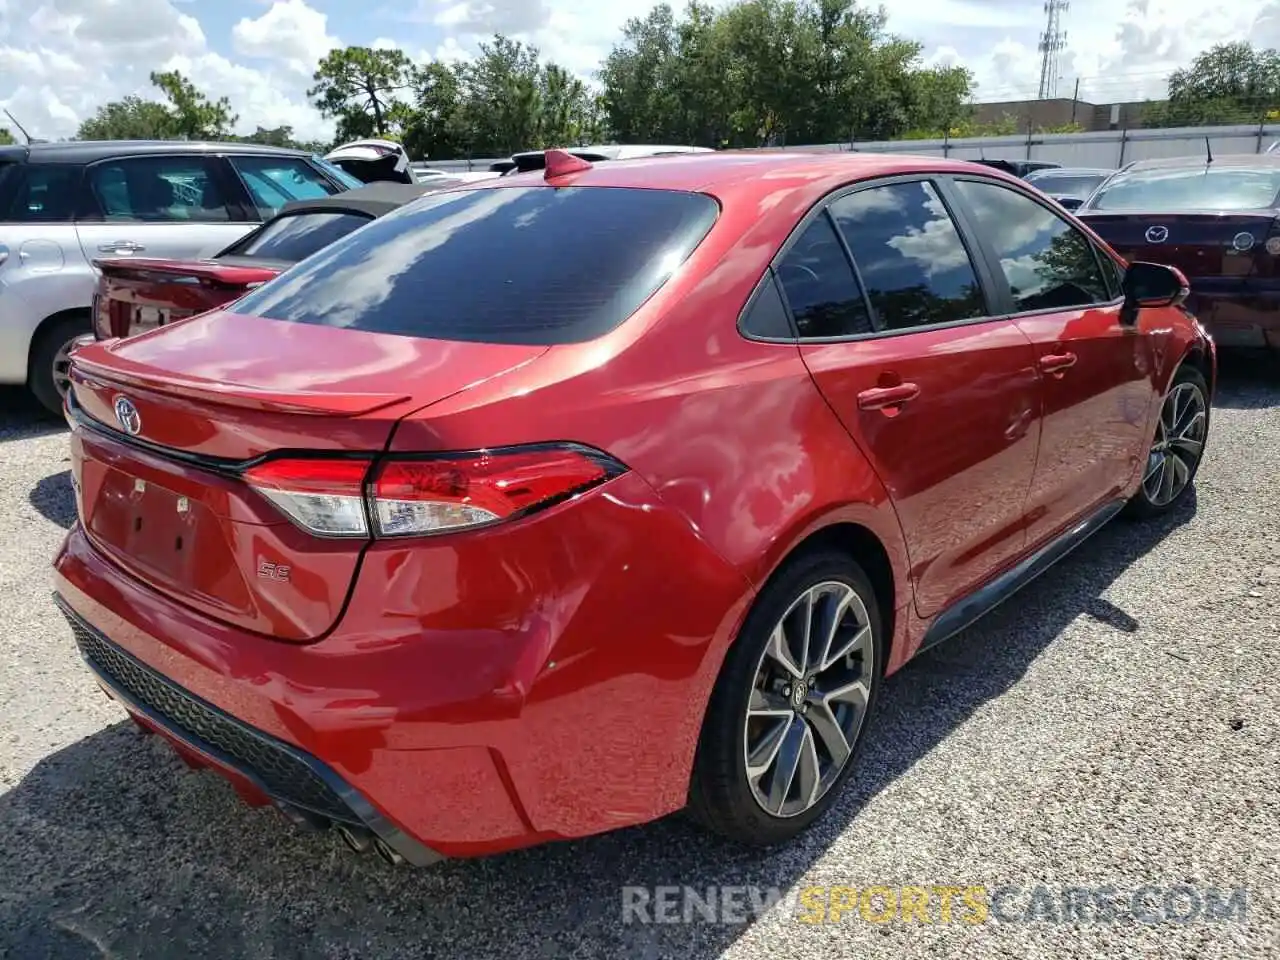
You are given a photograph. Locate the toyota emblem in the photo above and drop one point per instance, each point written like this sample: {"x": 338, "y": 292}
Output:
{"x": 127, "y": 415}
{"x": 1157, "y": 234}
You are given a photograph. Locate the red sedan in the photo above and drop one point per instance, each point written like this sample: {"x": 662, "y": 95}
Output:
{"x": 564, "y": 501}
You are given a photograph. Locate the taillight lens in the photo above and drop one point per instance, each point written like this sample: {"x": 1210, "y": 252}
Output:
{"x": 415, "y": 497}
{"x": 324, "y": 497}
{"x": 421, "y": 496}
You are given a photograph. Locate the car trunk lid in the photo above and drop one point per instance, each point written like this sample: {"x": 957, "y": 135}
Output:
{"x": 135, "y": 295}
{"x": 167, "y": 422}
{"x": 1202, "y": 245}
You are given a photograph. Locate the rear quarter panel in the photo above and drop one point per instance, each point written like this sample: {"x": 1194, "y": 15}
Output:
{"x": 43, "y": 274}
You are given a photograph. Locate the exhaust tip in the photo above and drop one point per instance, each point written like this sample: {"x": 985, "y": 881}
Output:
{"x": 386, "y": 853}
{"x": 357, "y": 840}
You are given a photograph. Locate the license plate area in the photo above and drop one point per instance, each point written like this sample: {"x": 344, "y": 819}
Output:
{"x": 148, "y": 318}
{"x": 149, "y": 526}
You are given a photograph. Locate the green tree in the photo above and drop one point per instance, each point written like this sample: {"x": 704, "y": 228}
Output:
{"x": 129, "y": 119}
{"x": 6, "y": 137}
{"x": 193, "y": 115}
{"x": 1229, "y": 83}
{"x": 360, "y": 87}
{"x": 281, "y": 136}
{"x": 434, "y": 129}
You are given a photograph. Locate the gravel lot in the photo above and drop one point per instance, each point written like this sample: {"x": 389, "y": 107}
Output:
{"x": 1117, "y": 724}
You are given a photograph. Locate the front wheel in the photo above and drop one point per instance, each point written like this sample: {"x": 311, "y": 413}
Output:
{"x": 1178, "y": 447}
{"x": 789, "y": 709}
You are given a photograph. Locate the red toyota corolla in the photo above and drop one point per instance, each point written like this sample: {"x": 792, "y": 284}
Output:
{"x": 561, "y": 502}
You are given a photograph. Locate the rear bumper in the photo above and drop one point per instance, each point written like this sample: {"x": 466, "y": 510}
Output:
{"x": 1239, "y": 319}
{"x": 445, "y": 726}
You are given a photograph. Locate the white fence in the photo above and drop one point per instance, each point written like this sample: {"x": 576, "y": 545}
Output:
{"x": 1103, "y": 148}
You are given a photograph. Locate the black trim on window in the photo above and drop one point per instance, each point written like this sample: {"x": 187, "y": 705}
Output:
{"x": 767, "y": 286}
{"x": 955, "y": 201}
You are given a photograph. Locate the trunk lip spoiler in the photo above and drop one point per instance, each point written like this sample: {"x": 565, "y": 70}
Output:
{"x": 126, "y": 374}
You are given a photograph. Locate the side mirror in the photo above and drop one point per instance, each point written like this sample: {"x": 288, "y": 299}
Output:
{"x": 1151, "y": 285}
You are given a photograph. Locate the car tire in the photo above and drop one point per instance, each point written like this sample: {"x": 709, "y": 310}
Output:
{"x": 722, "y": 795}
{"x": 1177, "y": 449}
{"x": 46, "y": 352}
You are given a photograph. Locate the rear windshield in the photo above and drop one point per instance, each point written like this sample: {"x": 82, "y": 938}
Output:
{"x": 1080, "y": 185}
{"x": 530, "y": 265}
{"x": 296, "y": 236}
{"x": 1195, "y": 188}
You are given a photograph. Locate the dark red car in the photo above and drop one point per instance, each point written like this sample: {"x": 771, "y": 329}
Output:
{"x": 1218, "y": 221}
{"x": 564, "y": 501}
{"x": 137, "y": 294}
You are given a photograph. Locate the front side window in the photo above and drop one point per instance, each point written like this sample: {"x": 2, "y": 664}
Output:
{"x": 1182, "y": 189}
{"x": 913, "y": 264}
{"x": 1048, "y": 263}
{"x": 517, "y": 265}
{"x": 820, "y": 286}
{"x": 274, "y": 181}
{"x": 159, "y": 190}
{"x": 296, "y": 236}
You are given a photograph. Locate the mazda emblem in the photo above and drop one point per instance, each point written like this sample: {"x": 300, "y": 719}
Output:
{"x": 127, "y": 416}
{"x": 1157, "y": 234}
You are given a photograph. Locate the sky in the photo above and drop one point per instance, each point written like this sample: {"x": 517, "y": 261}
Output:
{"x": 60, "y": 59}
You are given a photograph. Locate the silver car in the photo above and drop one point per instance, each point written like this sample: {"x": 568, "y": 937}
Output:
{"x": 64, "y": 205}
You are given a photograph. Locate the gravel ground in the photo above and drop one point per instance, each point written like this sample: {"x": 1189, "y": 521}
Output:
{"x": 1115, "y": 725}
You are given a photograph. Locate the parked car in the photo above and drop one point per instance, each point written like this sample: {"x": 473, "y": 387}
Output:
{"x": 63, "y": 204}
{"x": 1218, "y": 222}
{"x": 1019, "y": 168}
{"x": 137, "y": 294}
{"x": 531, "y": 160}
{"x": 373, "y": 161}
{"x": 533, "y": 510}
{"x": 1069, "y": 186}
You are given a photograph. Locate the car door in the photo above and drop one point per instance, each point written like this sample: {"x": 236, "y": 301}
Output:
{"x": 1096, "y": 370}
{"x": 940, "y": 396}
{"x": 178, "y": 206}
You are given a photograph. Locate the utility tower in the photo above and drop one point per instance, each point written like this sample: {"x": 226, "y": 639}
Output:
{"x": 1052, "y": 41}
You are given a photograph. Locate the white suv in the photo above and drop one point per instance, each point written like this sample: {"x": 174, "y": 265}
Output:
{"x": 63, "y": 205}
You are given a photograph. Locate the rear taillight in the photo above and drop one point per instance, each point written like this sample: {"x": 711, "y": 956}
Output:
{"x": 408, "y": 497}
{"x": 1273, "y": 239}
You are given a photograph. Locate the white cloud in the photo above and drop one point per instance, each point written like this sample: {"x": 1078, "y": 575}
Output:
{"x": 61, "y": 59}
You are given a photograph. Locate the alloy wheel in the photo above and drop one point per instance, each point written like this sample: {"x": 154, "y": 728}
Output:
{"x": 809, "y": 699}
{"x": 1178, "y": 446}
{"x": 62, "y": 368}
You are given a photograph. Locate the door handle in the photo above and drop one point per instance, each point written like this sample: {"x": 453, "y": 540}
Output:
{"x": 1057, "y": 362}
{"x": 121, "y": 246}
{"x": 879, "y": 398}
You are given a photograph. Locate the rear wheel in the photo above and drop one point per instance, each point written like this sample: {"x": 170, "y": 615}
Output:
{"x": 1178, "y": 447}
{"x": 789, "y": 709}
{"x": 48, "y": 373}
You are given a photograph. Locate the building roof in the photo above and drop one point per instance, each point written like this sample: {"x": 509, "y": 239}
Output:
{"x": 89, "y": 151}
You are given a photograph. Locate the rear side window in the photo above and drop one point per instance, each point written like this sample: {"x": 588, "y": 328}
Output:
{"x": 820, "y": 287}
{"x": 40, "y": 193}
{"x": 296, "y": 236}
{"x": 159, "y": 190}
{"x": 1193, "y": 188}
{"x": 531, "y": 265}
{"x": 913, "y": 264}
{"x": 274, "y": 181}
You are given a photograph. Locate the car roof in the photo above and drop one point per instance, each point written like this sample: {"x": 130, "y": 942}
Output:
{"x": 89, "y": 151}
{"x": 1071, "y": 172}
{"x": 758, "y": 172}
{"x": 1255, "y": 160}
{"x": 375, "y": 200}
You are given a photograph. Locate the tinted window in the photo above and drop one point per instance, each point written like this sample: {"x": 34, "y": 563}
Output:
{"x": 274, "y": 181}
{"x": 508, "y": 265}
{"x": 159, "y": 189}
{"x": 333, "y": 170}
{"x": 767, "y": 315}
{"x": 911, "y": 259}
{"x": 41, "y": 193}
{"x": 296, "y": 236}
{"x": 1048, "y": 262}
{"x": 820, "y": 285}
{"x": 1066, "y": 186}
{"x": 1191, "y": 188}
